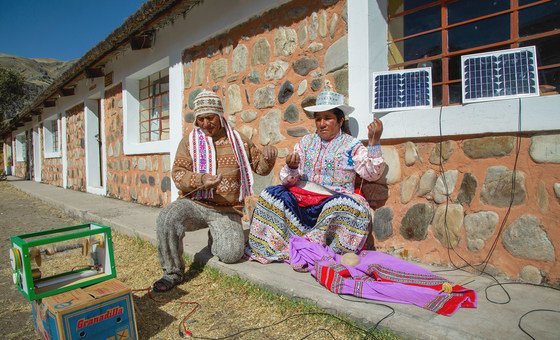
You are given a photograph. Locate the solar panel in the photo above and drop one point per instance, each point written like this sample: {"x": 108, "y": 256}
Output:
{"x": 500, "y": 75}
{"x": 402, "y": 89}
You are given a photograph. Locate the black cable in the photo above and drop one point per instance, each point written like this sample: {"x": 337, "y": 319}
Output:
{"x": 367, "y": 302}
{"x": 317, "y": 331}
{"x": 367, "y": 332}
{"x": 533, "y": 311}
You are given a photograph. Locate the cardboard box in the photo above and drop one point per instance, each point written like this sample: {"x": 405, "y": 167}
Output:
{"x": 102, "y": 311}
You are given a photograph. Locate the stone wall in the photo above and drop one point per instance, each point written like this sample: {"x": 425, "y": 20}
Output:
{"x": 423, "y": 214}
{"x": 20, "y": 169}
{"x": 51, "y": 168}
{"x": 75, "y": 148}
{"x": 270, "y": 67}
{"x": 138, "y": 178}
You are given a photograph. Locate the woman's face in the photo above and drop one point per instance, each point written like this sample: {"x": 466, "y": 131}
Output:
{"x": 210, "y": 124}
{"x": 328, "y": 125}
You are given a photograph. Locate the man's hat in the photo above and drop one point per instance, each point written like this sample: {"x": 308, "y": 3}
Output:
{"x": 208, "y": 102}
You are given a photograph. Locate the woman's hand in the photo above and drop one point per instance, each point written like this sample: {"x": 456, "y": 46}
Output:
{"x": 375, "y": 129}
{"x": 270, "y": 152}
{"x": 292, "y": 161}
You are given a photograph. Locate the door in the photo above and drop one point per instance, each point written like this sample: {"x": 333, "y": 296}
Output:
{"x": 94, "y": 172}
{"x": 29, "y": 150}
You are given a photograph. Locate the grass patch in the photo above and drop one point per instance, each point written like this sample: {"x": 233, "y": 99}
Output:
{"x": 228, "y": 304}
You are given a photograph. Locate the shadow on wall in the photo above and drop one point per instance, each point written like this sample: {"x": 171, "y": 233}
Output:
{"x": 376, "y": 193}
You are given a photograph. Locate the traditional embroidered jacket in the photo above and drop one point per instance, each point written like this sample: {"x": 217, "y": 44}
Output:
{"x": 334, "y": 164}
{"x": 226, "y": 195}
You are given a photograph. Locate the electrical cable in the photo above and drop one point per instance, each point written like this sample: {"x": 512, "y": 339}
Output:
{"x": 368, "y": 302}
{"x": 252, "y": 329}
{"x": 184, "y": 332}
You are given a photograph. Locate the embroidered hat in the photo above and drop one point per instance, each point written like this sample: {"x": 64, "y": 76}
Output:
{"x": 208, "y": 102}
{"x": 328, "y": 100}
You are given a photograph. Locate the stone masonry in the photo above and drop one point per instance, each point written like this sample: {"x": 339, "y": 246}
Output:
{"x": 75, "y": 148}
{"x": 136, "y": 178}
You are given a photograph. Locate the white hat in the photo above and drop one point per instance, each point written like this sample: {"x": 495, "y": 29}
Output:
{"x": 328, "y": 100}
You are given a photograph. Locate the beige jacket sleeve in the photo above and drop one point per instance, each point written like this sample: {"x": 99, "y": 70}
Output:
{"x": 184, "y": 178}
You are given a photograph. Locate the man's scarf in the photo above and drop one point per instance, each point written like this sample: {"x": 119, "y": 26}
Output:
{"x": 203, "y": 154}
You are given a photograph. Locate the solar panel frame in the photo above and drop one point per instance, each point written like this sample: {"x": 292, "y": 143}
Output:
{"x": 395, "y": 82}
{"x": 491, "y": 64}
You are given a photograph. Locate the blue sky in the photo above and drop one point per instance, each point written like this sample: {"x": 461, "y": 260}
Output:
{"x": 59, "y": 29}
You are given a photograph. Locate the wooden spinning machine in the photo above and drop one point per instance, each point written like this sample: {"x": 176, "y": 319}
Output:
{"x": 83, "y": 255}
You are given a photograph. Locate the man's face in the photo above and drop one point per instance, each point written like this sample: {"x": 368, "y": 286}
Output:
{"x": 210, "y": 124}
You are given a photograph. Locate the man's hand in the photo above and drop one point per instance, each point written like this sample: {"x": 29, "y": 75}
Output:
{"x": 210, "y": 181}
{"x": 270, "y": 152}
{"x": 375, "y": 129}
{"x": 292, "y": 160}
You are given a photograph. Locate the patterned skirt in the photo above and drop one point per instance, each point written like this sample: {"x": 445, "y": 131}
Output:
{"x": 340, "y": 222}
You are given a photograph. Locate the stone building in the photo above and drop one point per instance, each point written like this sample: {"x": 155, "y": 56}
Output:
{"x": 477, "y": 182}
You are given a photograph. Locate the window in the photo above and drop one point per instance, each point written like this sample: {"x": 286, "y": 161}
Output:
{"x": 21, "y": 149}
{"x": 154, "y": 107}
{"x": 51, "y": 137}
{"x": 428, "y": 33}
{"x": 146, "y": 101}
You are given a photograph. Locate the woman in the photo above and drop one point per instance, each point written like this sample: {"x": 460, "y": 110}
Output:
{"x": 316, "y": 198}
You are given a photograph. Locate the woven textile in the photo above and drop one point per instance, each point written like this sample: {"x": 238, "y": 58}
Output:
{"x": 379, "y": 276}
{"x": 339, "y": 222}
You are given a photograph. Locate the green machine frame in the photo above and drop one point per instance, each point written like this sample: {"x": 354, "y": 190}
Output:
{"x": 94, "y": 240}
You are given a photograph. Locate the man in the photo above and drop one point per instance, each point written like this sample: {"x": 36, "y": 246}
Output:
{"x": 213, "y": 172}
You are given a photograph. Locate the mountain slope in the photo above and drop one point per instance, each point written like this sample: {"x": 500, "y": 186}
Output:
{"x": 38, "y": 74}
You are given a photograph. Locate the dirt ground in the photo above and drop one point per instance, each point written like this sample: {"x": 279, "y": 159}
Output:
{"x": 20, "y": 214}
{"x": 229, "y": 307}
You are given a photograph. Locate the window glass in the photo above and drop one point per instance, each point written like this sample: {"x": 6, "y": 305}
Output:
{"x": 144, "y": 126}
{"x": 54, "y": 129}
{"x": 154, "y": 105}
{"x": 462, "y": 10}
{"x": 416, "y": 22}
{"x": 436, "y": 90}
{"x": 525, "y": 2}
{"x": 548, "y": 49}
{"x": 479, "y": 33}
{"x": 455, "y": 93}
{"x": 144, "y": 115}
{"x": 143, "y": 93}
{"x": 540, "y": 18}
{"x": 416, "y": 48}
{"x": 409, "y": 4}
{"x": 550, "y": 77}
{"x": 143, "y": 82}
